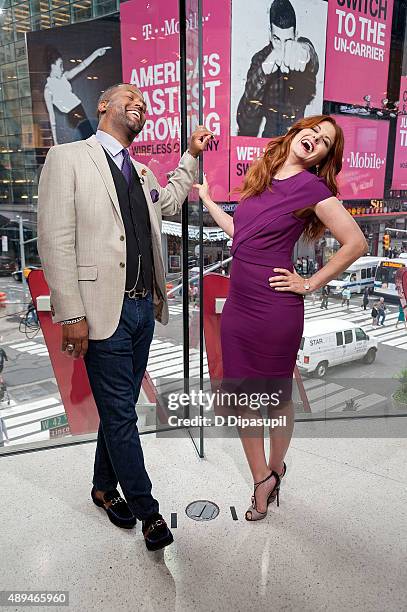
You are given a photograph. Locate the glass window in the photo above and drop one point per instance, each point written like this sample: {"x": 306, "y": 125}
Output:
{"x": 38, "y": 6}
{"x": 21, "y": 51}
{"x": 7, "y": 53}
{"x": 363, "y": 273}
{"x": 24, "y": 88}
{"x": 22, "y": 69}
{"x": 369, "y": 272}
{"x": 339, "y": 338}
{"x": 61, "y": 16}
{"x": 8, "y": 72}
{"x": 103, "y": 7}
{"x": 374, "y": 271}
{"x": 10, "y": 90}
{"x": 360, "y": 334}
{"x": 348, "y": 336}
{"x": 82, "y": 10}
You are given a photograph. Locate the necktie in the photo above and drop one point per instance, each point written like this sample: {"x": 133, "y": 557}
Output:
{"x": 127, "y": 166}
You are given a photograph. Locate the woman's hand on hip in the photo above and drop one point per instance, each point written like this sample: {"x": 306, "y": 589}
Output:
{"x": 288, "y": 281}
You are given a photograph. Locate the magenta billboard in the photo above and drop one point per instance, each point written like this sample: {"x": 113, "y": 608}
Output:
{"x": 151, "y": 61}
{"x": 399, "y": 181}
{"x": 364, "y": 159}
{"x": 357, "y": 51}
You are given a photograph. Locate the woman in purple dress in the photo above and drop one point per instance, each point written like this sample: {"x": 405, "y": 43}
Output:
{"x": 290, "y": 191}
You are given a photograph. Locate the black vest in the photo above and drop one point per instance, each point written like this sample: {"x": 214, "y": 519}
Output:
{"x": 136, "y": 219}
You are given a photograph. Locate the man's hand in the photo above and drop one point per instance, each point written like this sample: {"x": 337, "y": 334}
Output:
{"x": 296, "y": 56}
{"x": 273, "y": 61}
{"x": 199, "y": 140}
{"x": 77, "y": 335}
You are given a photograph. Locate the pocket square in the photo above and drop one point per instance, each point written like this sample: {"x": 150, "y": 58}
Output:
{"x": 154, "y": 195}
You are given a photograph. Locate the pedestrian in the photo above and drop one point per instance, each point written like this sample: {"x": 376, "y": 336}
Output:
{"x": 3, "y": 432}
{"x": 374, "y": 314}
{"x": 325, "y": 296}
{"x": 311, "y": 266}
{"x": 402, "y": 315}
{"x": 3, "y": 357}
{"x": 381, "y": 311}
{"x": 346, "y": 296}
{"x": 365, "y": 298}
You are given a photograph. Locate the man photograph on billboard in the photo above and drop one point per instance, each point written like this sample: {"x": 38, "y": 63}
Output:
{"x": 69, "y": 68}
{"x": 284, "y": 81}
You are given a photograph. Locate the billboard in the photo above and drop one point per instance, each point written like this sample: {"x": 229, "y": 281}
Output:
{"x": 150, "y": 51}
{"x": 357, "y": 52}
{"x": 69, "y": 68}
{"x": 277, "y": 73}
{"x": 364, "y": 159}
{"x": 399, "y": 181}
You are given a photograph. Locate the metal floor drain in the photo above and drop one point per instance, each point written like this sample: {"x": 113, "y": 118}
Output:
{"x": 202, "y": 510}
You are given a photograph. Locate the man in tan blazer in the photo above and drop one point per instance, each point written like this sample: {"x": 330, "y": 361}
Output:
{"x": 99, "y": 239}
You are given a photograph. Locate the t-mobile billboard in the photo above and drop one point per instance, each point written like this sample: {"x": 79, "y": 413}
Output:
{"x": 357, "y": 51}
{"x": 364, "y": 158}
{"x": 400, "y": 150}
{"x": 151, "y": 61}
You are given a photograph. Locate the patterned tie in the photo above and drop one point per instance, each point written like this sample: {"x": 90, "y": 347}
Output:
{"x": 127, "y": 166}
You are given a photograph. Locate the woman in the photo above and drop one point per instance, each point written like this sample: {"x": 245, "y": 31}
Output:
{"x": 263, "y": 316}
{"x": 402, "y": 317}
{"x": 58, "y": 93}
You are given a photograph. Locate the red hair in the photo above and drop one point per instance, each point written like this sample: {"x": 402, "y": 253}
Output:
{"x": 261, "y": 172}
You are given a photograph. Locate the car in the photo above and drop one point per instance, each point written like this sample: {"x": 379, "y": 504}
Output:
{"x": 18, "y": 274}
{"x": 8, "y": 265}
{"x": 329, "y": 342}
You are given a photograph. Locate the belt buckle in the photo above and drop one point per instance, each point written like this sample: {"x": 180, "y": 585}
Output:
{"x": 137, "y": 295}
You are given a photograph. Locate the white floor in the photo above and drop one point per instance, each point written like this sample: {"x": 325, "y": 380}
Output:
{"x": 337, "y": 542}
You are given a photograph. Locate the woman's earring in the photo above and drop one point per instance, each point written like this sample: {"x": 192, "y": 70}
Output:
{"x": 317, "y": 170}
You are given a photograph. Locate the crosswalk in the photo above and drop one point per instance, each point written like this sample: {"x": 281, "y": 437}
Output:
{"x": 23, "y": 421}
{"x": 30, "y": 347}
{"x": 386, "y": 334}
{"x": 334, "y": 398}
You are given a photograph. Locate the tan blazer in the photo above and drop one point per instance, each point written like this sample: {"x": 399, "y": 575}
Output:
{"x": 81, "y": 236}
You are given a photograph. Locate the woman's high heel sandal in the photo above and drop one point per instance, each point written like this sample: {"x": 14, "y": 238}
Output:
{"x": 274, "y": 494}
{"x": 252, "y": 514}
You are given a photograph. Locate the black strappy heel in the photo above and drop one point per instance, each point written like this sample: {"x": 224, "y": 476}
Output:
{"x": 256, "y": 515}
{"x": 275, "y": 493}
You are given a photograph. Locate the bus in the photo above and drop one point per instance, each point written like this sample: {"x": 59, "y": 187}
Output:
{"x": 385, "y": 281}
{"x": 359, "y": 275}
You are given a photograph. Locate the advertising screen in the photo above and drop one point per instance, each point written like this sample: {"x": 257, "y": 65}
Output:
{"x": 399, "y": 181}
{"x": 150, "y": 50}
{"x": 277, "y": 72}
{"x": 69, "y": 68}
{"x": 364, "y": 159}
{"x": 357, "y": 52}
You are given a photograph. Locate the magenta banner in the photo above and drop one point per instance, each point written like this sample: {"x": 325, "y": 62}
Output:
{"x": 357, "y": 51}
{"x": 364, "y": 158}
{"x": 399, "y": 180}
{"x": 150, "y": 59}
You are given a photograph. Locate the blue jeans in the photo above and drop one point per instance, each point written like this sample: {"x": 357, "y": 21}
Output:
{"x": 115, "y": 368}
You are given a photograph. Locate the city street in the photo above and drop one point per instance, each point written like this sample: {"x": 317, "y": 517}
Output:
{"x": 32, "y": 394}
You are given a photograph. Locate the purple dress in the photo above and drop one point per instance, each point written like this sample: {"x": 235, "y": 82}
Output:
{"x": 261, "y": 328}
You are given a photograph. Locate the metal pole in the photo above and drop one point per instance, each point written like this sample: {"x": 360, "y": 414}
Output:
{"x": 22, "y": 253}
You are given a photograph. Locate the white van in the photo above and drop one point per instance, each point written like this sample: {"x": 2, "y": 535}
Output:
{"x": 329, "y": 342}
{"x": 359, "y": 275}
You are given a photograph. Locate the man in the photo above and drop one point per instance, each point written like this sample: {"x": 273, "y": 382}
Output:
{"x": 99, "y": 239}
{"x": 281, "y": 80}
{"x": 381, "y": 311}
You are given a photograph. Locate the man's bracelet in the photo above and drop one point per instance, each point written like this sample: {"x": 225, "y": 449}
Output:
{"x": 71, "y": 321}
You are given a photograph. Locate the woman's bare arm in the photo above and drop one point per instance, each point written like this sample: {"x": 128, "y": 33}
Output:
{"x": 347, "y": 232}
{"x": 221, "y": 218}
